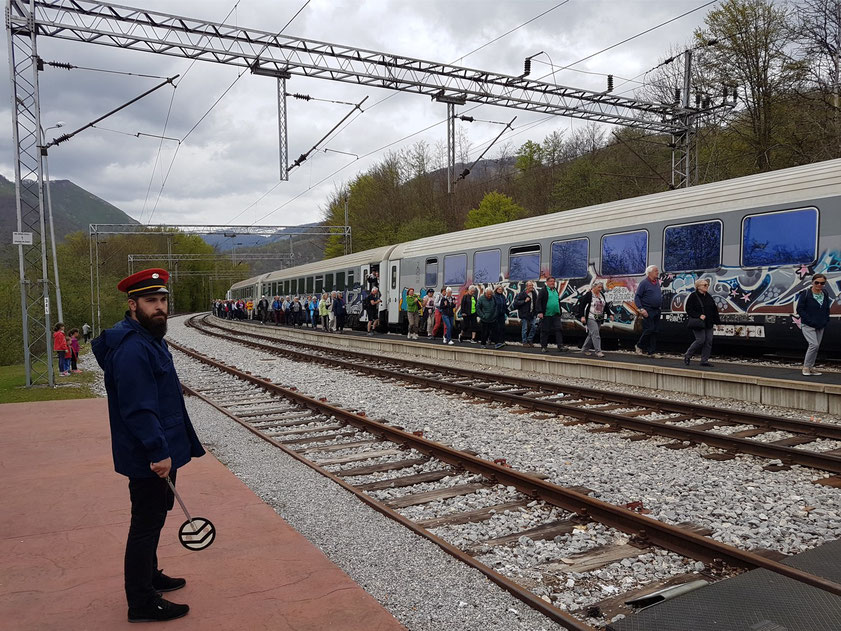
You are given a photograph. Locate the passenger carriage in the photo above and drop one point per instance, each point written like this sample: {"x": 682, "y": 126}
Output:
{"x": 758, "y": 239}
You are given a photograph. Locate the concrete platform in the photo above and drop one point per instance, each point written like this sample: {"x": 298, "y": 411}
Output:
{"x": 781, "y": 386}
{"x": 64, "y": 522}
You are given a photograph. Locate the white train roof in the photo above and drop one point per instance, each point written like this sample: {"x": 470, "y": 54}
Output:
{"x": 794, "y": 185}
{"x": 356, "y": 259}
{"x": 785, "y": 186}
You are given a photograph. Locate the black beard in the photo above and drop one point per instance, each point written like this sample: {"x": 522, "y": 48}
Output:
{"x": 155, "y": 328}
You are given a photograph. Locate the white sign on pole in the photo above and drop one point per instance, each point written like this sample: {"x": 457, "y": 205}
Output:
{"x": 21, "y": 238}
{"x": 46, "y": 305}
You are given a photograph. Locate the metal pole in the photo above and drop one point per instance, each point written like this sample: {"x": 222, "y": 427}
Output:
{"x": 283, "y": 139}
{"x": 347, "y": 244}
{"x": 90, "y": 260}
{"x": 451, "y": 146}
{"x": 52, "y": 233}
{"x": 98, "y": 293}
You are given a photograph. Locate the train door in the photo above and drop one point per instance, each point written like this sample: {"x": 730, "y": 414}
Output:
{"x": 393, "y": 293}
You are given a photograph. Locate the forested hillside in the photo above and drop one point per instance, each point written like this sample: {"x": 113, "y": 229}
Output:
{"x": 781, "y": 59}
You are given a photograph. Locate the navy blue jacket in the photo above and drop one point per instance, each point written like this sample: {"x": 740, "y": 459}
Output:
{"x": 648, "y": 296}
{"x": 149, "y": 422}
{"x": 501, "y": 306}
{"x": 811, "y": 312}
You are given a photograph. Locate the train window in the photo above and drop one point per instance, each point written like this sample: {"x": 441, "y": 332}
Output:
{"x": 455, "y": 269}
{"x": 694, "y": 246}
{"x": 625, "y": 254}
{"x": 350, "y": 279}
{"x": 274, "y": 289}
{"x": 340, "y": 281}
{"x": 319, "y": 284}
{"x": 328, "y": 282}
{"x": 524, "y": 263}
{"x": 310, "y": 284}
{"x": 569, "y": 258}
{"x": 486, "y": 266}
{"x": 431, "y": 275}
{"x": 394, "y": 277}
{"x": 300, "y": 286}
{"x": 294, "y": 288}
{"x": 780, "y": 238}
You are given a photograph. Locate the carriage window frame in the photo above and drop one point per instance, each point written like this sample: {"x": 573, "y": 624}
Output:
{"x": 426, "y": 276}
{"x": 552, "y": 257}
{"x": 617, "y": 234}
{"x": 350, "y": 279}
{"x": 779, "y": 212}
{"x": 523, "y": 251}
{"x": 394, "y": 276}
{"x": 495, "y": 278}
{"x": 319, "y": 285}
{"x": 340, "y": 281}
{"x": 293, "y": 287}
{"x": 329, "y": 282}
{"x": 695, "y": 223}
{"x": 310, "y": 284}
{"x": 463, "y": 270}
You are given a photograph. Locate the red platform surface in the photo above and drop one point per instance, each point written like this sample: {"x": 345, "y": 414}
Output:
{"x": 64, "y": 521}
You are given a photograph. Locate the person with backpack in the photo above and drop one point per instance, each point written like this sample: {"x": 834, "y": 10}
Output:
{"x": 591, "y": 310}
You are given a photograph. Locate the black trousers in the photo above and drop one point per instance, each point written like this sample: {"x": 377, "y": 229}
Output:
{"x": 151, "y": 498}
{"x": 550, "y": 324}
{"x": 486, "y": 331}
{"x": 468, "y": 326}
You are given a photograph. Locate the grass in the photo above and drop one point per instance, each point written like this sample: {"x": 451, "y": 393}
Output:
{"x": 12, "y": 390}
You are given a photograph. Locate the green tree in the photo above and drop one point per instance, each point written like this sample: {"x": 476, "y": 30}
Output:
{"x": 494, "y": 208}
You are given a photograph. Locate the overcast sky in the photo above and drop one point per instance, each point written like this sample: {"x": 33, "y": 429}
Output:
{"x": 231, "y": 159}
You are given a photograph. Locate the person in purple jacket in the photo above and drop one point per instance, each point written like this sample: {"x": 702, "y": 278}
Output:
{"x": 649, "y": 299}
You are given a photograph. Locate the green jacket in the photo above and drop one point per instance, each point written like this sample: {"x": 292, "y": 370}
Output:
{"x": 486, "y": 309}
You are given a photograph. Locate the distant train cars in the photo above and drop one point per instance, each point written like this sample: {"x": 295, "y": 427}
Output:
{"x": 758, "y": 239}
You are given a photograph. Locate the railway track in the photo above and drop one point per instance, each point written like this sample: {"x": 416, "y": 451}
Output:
{"x": 688, "y": 424}
{"x": 393, "y": 470}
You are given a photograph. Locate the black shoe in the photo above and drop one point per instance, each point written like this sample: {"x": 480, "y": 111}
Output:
{"x": 707, "y": 364}
{"x": 686, "y": 360}
{"x": 163, "y": 583}
{"x": 159, "y": 610}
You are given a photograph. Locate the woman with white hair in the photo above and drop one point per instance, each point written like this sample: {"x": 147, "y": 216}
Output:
{"x": 703, "y": 315}
{"x": 591, "y": 309}
{"x": 446, "y": 306}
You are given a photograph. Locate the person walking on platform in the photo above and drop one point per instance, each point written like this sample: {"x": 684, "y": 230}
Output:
{"x": 446, "y": 307}
{"x": 486, "y": 310}
{"x": 86, "y": 332}
{"x": 813, "y": 309}
{"x": 591, "y": 310}
{"x": 501, "y": 315}
{"x": 649, "y": 301}
{"x": 429, "y": 312}
{"x": 413, "y": 311}
{"x": 263, "y": 309}
{"x": 467, "y": 309}
{"x": 151, "y": 435}
{"x": 703, "y": 316}
{"x": 526, "y": 305}
{"x": 549, "y": 314}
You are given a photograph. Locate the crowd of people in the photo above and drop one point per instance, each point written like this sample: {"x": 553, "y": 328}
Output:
{"x": 480, "y": 316}
{"x": 66, "y": 347}
{"x": 327, "y": 312}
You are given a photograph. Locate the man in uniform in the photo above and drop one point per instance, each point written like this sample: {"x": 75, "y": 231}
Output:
{"x": 151, "y": 435}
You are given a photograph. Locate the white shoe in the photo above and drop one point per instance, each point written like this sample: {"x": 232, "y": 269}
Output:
{"x": 805, "y": 372}
{"x": 639, "y": 351}
{"x": 450, "y": 342}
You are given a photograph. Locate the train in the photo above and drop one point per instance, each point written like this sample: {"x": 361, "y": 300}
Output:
{"x": 758, "y": 239}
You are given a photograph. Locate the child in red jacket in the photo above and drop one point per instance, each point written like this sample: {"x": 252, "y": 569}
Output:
{"x": 61, "y": 349}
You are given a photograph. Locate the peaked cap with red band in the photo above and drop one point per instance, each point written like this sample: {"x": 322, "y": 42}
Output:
{"x": 149, "y": 281}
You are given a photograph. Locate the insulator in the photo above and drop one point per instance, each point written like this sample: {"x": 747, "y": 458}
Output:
{"x": 466, "y": 119}
{"x": 303, "y": 97}
{"x": 610, "y": 83}
{"x": 677, "y": 96}
{"x": 527, "y": 67}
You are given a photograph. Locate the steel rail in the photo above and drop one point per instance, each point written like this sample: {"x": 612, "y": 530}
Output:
{"x": 819, "y": 430}
{"x": 643, "y": 529}
{"x": 788, "y": 455}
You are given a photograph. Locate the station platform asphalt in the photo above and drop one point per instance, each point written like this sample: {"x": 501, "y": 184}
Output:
{"x": 65, "y": 517}
{"x": 778, "y": 385}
